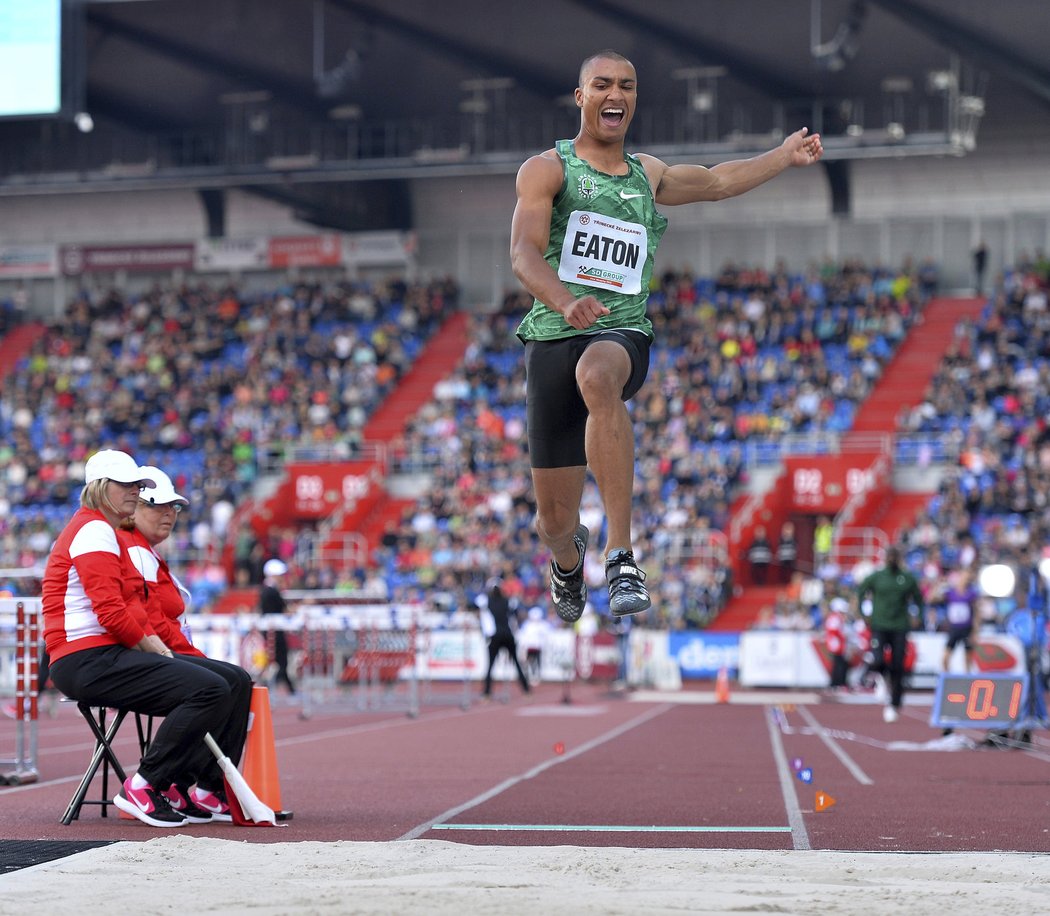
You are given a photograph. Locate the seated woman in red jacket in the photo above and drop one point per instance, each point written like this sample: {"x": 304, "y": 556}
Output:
{"x": 153, "y": 522}
{"x": 103, "y": 650}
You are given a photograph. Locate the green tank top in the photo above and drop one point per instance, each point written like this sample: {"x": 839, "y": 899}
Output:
{"x": 604, "y": 233}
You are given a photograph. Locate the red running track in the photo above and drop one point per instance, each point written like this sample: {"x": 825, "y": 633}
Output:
{"x": 619, "y": 770}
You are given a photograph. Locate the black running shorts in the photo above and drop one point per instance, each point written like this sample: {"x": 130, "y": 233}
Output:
{"x": 958, "y": 635}
{"x": 556, "y": 414}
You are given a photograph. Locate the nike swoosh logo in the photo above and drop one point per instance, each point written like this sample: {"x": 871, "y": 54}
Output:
{"x": 627, "y": 196}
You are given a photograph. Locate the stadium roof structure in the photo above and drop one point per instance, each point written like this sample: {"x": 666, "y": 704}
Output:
{"x": 285, "y": 96}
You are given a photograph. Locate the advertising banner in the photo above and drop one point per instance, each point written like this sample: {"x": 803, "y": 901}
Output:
{"x": 598, "y": 657}
{"x": 376, "y": 248}
{"x": 774, "y": 658}
{"x": 232, "y": 254}
{"x": 701, "y": 654}
{"x": 28, "y": 260}
{"x": 306, "y": 251}
{"x": 85, "y": 259}
{"x": 558, "y": 662}
{"x": 648, "y": 659}
{"x": 452, "y": 655}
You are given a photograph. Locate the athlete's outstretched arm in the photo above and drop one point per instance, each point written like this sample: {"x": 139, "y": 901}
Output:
{"x": 687, "y": 184}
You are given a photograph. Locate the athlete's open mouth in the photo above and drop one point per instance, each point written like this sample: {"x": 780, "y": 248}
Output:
{"x": 613, "y": 116}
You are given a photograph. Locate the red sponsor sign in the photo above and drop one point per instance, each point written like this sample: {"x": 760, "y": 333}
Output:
{"x": 85, "y": 259}
{"x": 306, "y": 251}
{"x": 318, "y": 490}
{"x": 824, "y": 483}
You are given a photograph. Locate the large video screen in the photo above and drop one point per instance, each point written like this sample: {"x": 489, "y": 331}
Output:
{"x": 30, "y": 58}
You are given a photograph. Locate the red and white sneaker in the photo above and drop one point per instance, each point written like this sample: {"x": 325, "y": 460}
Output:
{"x": 181, "y": 803}
{"x": 148, "y": 805}
{"x": 213, "y": 802}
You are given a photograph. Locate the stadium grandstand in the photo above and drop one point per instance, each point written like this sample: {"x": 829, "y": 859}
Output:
{"x": 265, "y": 247}
{"x": 292, "y": 292}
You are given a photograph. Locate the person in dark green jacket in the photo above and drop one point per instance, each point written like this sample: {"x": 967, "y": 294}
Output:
{"x": 896, "y": 603}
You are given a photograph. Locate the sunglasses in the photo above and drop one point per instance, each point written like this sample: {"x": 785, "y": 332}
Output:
{"x": 162, "y": 507}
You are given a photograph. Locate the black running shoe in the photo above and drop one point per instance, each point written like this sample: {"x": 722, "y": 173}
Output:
{"x": 568, "y": 590}
{"x": 179, "y": 799}
{"x": 148, "y": 805}
{"x": 627, "y": 591}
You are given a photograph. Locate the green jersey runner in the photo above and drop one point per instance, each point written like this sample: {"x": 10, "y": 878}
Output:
{"x": 604, "y": 233}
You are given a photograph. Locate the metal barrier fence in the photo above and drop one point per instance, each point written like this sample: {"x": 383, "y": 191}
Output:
{"x": 367, "y": 658}
{"x": 21, "y": 638}
{"x": 377, "y": 666}
{"x": 334, "y": 659}
{"x": 371, "y": 657}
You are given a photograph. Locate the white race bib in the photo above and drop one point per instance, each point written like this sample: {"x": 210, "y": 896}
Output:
{"x": 958, "y": 612}
{"x": 604, "y": 252}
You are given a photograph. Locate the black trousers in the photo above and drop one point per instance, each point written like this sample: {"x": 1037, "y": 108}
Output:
{"x": 192, "y": 699}
{"x": 497, "y": 643}
{"x": 839, "y": 669}
{"x": 897, "y": 641}
{"x": 280, "y": 656}
{"x": 234, "y": 730}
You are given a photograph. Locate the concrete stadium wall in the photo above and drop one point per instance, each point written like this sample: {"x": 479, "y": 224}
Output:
{"x": 923, "y": 207}
{"x": 936, "y": 207}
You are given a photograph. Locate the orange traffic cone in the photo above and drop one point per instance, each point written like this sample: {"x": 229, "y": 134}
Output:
{"x": 259, "y": 766}
{"x": 722, "y": 686}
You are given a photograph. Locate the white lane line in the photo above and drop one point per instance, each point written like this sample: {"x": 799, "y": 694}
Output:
{"x": 607, "y": 828}
{"x": 419, "y": 830}
{"x": 799, "y": 836}
{"x": 832, "y": 745}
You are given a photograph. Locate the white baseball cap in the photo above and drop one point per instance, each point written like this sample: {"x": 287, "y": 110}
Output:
{"x": 164, "y": 491}
{"x": 274, "y": 567}
{"x": 111, "y": 464}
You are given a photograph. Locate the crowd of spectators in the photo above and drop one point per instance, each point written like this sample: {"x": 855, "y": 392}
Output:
{"x": 728, "y": 351}
{"x": 990, "y": 394}
{"x": 209, "y": 384}
{"x": 989, "y": 400}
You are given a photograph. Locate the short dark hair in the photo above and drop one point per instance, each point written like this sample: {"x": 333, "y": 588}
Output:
{"x": 607, "y": 54}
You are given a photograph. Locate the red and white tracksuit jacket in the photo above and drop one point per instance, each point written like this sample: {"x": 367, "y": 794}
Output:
{"x": 166, "y": 604}
{"x": 92, "y": 593}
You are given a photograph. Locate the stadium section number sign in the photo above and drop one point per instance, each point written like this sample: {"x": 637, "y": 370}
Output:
{"x": 823, "y": 483}
{"x": 986, "y": 700}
